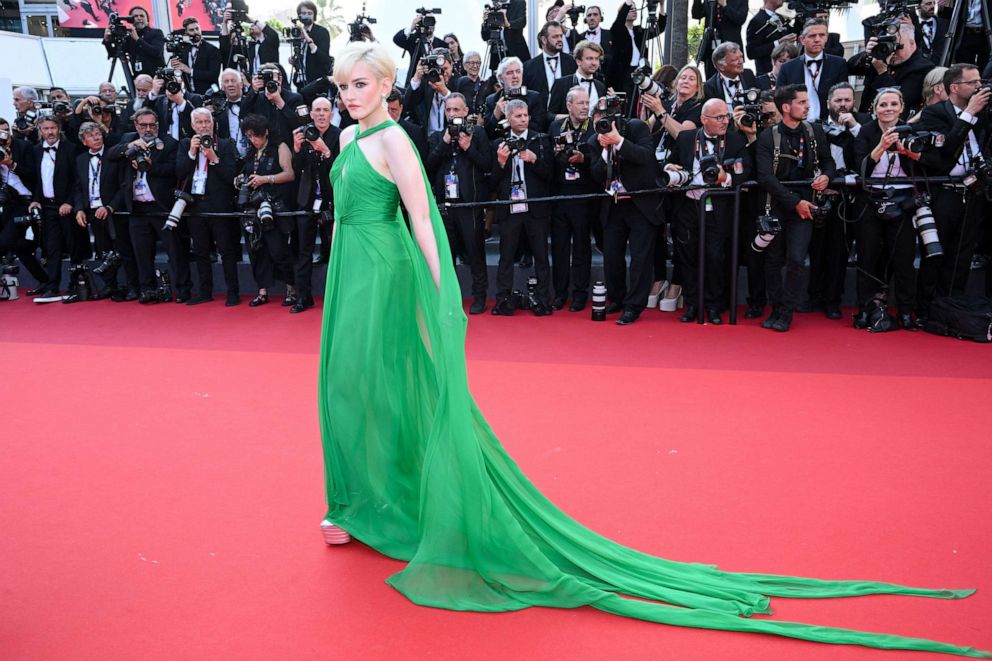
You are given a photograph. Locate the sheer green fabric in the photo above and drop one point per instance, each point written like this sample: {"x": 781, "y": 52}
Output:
{"x": 414, "y": 471}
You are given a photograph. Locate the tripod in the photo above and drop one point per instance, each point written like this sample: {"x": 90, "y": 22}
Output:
{"x": 120, "y": 55}
{"x": 956, "y": 28}
{"x": 238, "y": 56}
{"x": 649, "y": 52}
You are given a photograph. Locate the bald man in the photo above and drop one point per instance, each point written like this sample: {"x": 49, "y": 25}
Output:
{"x": 733, "y": 166}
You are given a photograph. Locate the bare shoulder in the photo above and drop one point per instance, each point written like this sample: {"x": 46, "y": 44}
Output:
{"x": 347, "y": 135}
{"x": 396, "y": 141}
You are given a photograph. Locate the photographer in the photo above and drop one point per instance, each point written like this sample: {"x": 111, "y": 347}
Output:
{"x": 722, "y": 21}
{"x": 17, "y": 171}
{"x": 263, "y": 45}
{"x": 523, "y": 169}
{"x": 428, "y": 91}
{"x": 98, "y": 194}
{"x": 314, "y": 53}
{"x": 905, "y": 68}
{"x": 767, "y": 31}
{"x": 588, "y": 58}
{"x": 26, "y": 105}
{"x": 99, "y": 109}
{"x": 594, "y": 32}
{"x": 628, "y": 44}
{"x": 572, "y": 221}
{"x": 715, "y": 157}
{"x": 792, "y": 150}
{"x": 513, "y": 17}
{"x": 973, "y": 47}
{"x": 199, "y": 61}
{"x": 783, "y": 53}
{"x": 964, "y": 121}
{"x": 272, "y": 101}
{"x": 314, "y": 149}
{"x": 625, "y": 162}
{"x": 510, "y": 75}
{"x": 143, "y": 45}
{"x": 459, "y": 163}
{"x": 886, "y": 239}
{"x": 817, "y": 70}
{"x": 933, "y": 30}
{"x": 142, "y": 87}
{"x": 228, "y": 117}
{"x": 54, "y": 188}
{"x": 264, "y": 184}
{"x": 175, "y": 107}
{"x": 418, "y": 40}
{"x": 731, "y": 78}
{"x": 541, "y": 72}
{"x": 206, "y": 167}
{"x": 472, "y": 86}
{"x": 148, "y": 172}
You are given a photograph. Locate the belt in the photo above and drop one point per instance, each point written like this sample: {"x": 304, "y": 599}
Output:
{"x": 138, "y": 206}
{"x": 970, "y": 30}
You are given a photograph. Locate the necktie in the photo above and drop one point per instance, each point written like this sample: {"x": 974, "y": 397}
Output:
{"x": 814, "y": 69}
{"x": 928, "y": 34}
{"x": 553, "y": 65}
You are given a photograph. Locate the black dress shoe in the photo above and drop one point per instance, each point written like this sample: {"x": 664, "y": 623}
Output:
{"x": 578, "y": 304}
{"x": 261, "y": 299}
{"x": 628, "y": 317}
{"x": 691, "y": 314}
{"x": 289, "y": 301}
{"x": 541, "y": 309}
{"x": 148, "y": 298}
{"x": 478, "y": 305}
{"x": 921, "y": 322}
{"x": 613, "y": 306}
{"x": 39, "y": 290}
{"x": 183, "y": 298}
{"x": 782, "y": 322}
{"x": 770, "y": 321}
{"x": 131, "y": 295}
{"x": 713, "y": 317}
{"x": 503, "y": 308}
{"x": 298, "y": 306}
{"x": 906, "y": 322}
{"x": 558, "y": 303}
{"x": 102, "y": 294}
{"x": 233, "y": 298}
{"x": 754, "y": 311}
{"x": 199, "y": 299}
{"x": 832, "y": 312}
{"x": 119, "y": 296}
{"x": 861, "y": 319}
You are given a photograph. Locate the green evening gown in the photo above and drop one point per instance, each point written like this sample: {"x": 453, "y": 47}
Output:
{"x": 413, "y": 469}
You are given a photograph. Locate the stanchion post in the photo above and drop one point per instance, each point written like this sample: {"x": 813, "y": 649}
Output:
{"x": 701, "y": 281}
{"x": 735, "y": 232}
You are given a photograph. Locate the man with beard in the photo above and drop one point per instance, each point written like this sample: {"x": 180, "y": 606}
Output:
{"x": 202, "y": 63}
{"x": 144, "y": 45}
{"x": 541, "y": 72}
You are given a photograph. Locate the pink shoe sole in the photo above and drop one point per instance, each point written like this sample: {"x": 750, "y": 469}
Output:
{"x": 332, "y": 534}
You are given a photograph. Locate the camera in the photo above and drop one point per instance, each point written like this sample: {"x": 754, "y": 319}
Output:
{"x": 610, "y": 109}
{"x": 926, "y": 227}
{"x": 295, "y": 31}
{"x": 111, "y": 261}
{"x": 32, "y": 216}
{"x": 176, "y": 213}
{"x": 492, "y": 20}
{"x": 269, "y": 79}
{"x": 115, "y": 23}
{"x": 179, "y": 45}
{"x": 918, "y": 141}
{"x": 97, "y": 111}
{"x": 884, "y": 26}
{"x": 458, "y": 125}
{"x": 61, "y": 108}
{"x": 750, "y": 101}
{"x": 519, "y": 93}
{"x": 709, "y": 168}
{"x": 26, "y": 121}
{"x": 676, "y": 178}
{"x": 426, "y": 22}
{"x": 979, "y": 176}
{"x": 515, "y": 144}
{"x": 172, "y": 79}
{"x": 565, "y": 144}
{"x": 310, "y": 132}
{"x": 359, "y": 29}
{"x": 838, "y": 134}
{"x": 647, "y": 85}
{"x": 768, "y": 227}
{"x": 206, "y": 142}
{"x": 433, "y": 67}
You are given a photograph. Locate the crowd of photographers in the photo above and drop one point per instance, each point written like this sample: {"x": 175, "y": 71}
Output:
{"x": 223, "y": 151}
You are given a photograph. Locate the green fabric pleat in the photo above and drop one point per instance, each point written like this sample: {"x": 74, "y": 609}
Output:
{"x": 413, "y": 470}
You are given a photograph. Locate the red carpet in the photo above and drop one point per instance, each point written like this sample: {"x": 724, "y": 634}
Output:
{"x": 161, "y": 482}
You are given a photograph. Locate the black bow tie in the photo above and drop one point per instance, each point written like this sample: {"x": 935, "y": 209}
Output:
{"x": 48, "y": 149}
{"x": 592, "y": 33}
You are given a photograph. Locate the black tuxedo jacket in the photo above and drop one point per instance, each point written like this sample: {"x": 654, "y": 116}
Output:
{"x": 409, "y": 44}
{"x": 832, "y": 71}
{"x": 281, "y": 122}
{"x": 908, "y": 76}
{"x": 147, "y": 53}
{"x": 559, "y": 92}
{"x": 23, "y": 155}
{"x": 476, "y": 91}
{"x": 516, "y": 15}
{"x": 727, "y": 21}
{"x": 734, "y": 147}
{"x": 268, "y": 50}
{"x": 636, "y": 166}
{"x": 161, "y": 175}
{"x": 574, "y": 36}
{"x": 472, "y": 166}
{"x": 535, "y": 78}
{"x": 220, "y": 192}
{"x": 785, "y": 198}
{"x": 943, "y": 118}
{"x": 221, "y": 125}
{"x": 535, "y": 105}
{"x": 937, "y": 45}
{"x": 206, "y": 68}
{"x": 537, "y": 176}
{"x": 417, "y": 106}
{"x": 585, "y": 183}
{"x": 111, "y": 192}
{"x": 761, "y": 42}
{"x": 618, "y": 67}
{"x": 310, "y": 169}
{"x": 713, "y": 88}
{"x": 163, "y": 108}
{"x": 64, "y": 178}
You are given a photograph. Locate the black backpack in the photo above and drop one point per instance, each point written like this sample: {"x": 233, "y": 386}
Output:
{"x": 964, "y": 317}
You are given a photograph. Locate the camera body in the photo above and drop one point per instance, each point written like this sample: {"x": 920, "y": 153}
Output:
{"x": 142, "y": 156}
{"x": 26, "y": 121}
{"x": 768, "y": 227}
{"x": 918, "y": 141}
{"x": 459, "y": 125}
{"x": 310, "y": 132}
{"x": 269, "y": 79}
{"x": 515, "y": 144}
{"x": 709, "y": 168}
{"x": 172, "y": 78}
{"x": 565, "y": 144}
{"x": 519, "y": 93}
{"x": 610, "y": 109}
{"x": 837, "y": 134}
{"x": 179, "y": 45}
{"x": 647, "y": 85}
{"x": 207, "y": 142}
{"x": 118, "y": 31}
{"x": 433, "y": 67}
{"x": 492, "y": 20}
{"x": 32, "y": 216}
{"x": 426, "y": 22}
{"x": 295, "y": 31}
{"x": 750, "y": 101}
{"x": 884, "y": 26}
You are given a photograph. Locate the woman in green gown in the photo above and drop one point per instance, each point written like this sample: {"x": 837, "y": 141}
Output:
{"x": 412, "y": 468}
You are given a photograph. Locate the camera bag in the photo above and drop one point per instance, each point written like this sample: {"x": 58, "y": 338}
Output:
{"x": 963, "y": 317}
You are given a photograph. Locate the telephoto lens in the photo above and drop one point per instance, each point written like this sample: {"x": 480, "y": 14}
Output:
{"x": 311, "y": 133}
{"x": 182, "y": 199}
{"x": 768, "y": 228}
{"x": 111, "y": 262}
{"x": 927, "y": 228}
{"x": 599, "y": 301}
{"x": 677, "y": 178}
{"x": 265, "y": 212}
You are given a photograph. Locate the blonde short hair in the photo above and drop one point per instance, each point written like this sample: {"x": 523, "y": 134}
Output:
{"x": 887, "y": 90}
{"x": 932, "y": 80}
{"x": 375, "y": 56}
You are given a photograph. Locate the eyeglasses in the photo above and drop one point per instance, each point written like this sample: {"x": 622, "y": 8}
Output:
{"x": 720, "y": 118}
{"x": 146, "y": 125}
{"x": 968, "y": 82}
{"x": 473, "y": 63}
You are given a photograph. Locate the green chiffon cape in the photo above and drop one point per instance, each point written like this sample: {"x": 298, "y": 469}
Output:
{"x": 413, "y": 470}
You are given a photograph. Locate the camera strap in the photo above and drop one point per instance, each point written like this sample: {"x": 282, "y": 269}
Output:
{"x": 777, "y": 154}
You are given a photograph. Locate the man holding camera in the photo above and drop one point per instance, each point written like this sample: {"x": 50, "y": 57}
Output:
{"x": 53, "y": 191}
{"x": 957, "y": 209}
{"x": 792, "y": 150}
{"x": 731, "y": 78}
{"x": 148, "y": 173}
{"x": 523, "y": 170}
{"x": 510, "y": 74}
{"x": 99, "y": 109}
{"x": 571, "y": 221}
{"x": 428, "y": 91}
{"x": 541, "y": 72}
{"x": 715, "y": 157}
{"x": 905, "y": 68}
{"x": 315, "y": 46}
{"x": 418, "y": 40}
{"x": 17, "y": 172}
{"x": 766, "y": 31}
{"x": 98, "y": 194}
{"x": 228, "y": 118}
{"x": 143, "y": 45}
{"x": 263, "y": 47}
{"x": 458, "y": 163}
{"x": 588, "y": 59}
{"x": 200, "y": 63}
{"x": 205, "y": 169}
{"x": 26, "y": 106}
{"x": 723, "y": 20}
{"x": 624, "y": 162}
{"x": 817, "y": 70}
{"x": 315, "y": 146}
{"x": 174, "y": 108}
{"x": 272, "y": 101}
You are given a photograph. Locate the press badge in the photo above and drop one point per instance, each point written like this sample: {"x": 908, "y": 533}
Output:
{"x": 451, "y": 186}
{"x": 316, "y": 204}
{"x": 617, "y": 190}
{"x": 517, "y": 192}
{"x": 140, "y": 187}
{"x": 199, "y": 182}
{"x": 571, "y": 174}
{"x": 709, "y": 204}
{"x": 96, "y": 201}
